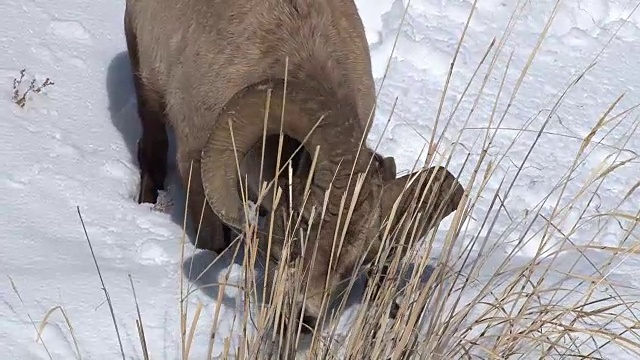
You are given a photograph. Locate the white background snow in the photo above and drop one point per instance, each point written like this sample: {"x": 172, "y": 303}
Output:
{"x": 72, "y": 145}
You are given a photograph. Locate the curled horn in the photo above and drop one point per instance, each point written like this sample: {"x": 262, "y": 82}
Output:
{"x": 435, "y": 192}
{"x": 244, "y": 116}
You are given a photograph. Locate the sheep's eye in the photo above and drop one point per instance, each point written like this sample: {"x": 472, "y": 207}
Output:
{"x": 304, "y": 224}
{"x": 299, "y": 221}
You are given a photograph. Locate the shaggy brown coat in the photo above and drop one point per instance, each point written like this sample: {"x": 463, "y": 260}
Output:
{"x": 201, "y": 65}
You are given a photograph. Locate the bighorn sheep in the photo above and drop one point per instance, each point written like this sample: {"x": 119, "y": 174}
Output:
{"x": 201, "y": 65}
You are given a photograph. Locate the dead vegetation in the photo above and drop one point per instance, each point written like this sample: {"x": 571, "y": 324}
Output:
{"x": 20, "y": 94}
{"x": 481, "y": 300}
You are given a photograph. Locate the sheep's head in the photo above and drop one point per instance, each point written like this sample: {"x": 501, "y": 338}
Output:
{"x": 322, "y": 204}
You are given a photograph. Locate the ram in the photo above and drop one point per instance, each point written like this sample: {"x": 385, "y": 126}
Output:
{"x": 206, "y": 68}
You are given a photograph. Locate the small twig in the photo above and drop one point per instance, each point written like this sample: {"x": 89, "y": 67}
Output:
{"x": 21, "y": 100}
{"x": 104, "y": 288}
{"x": 143, "y": 341}
{"x": 47, "y": 82}
{"x": 16, "y": 85}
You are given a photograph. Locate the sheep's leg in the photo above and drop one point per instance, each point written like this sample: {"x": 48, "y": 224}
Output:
{"x": 154, "y": 143}
{"x": 213, "y": 235}
{"x": 152, "y": 152}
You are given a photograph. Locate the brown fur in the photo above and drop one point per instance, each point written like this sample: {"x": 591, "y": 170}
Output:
{"x": 193, "y": 93}
{"x": 201, "y": 63}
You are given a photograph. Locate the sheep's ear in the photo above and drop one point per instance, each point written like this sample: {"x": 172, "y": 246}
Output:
{"x": 433, "y": 192}
{"x": 387, "y": 167}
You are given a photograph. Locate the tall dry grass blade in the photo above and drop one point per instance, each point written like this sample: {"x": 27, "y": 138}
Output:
{"x": 446, "y": 84}
{"x": 183, "y": 307}
{"x": 192, "y": 329}
{"x": 140, "y": 327}
{"x": 104, "y": 287}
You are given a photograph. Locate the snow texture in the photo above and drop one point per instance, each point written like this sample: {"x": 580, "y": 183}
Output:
{"x": 73, "y": 144}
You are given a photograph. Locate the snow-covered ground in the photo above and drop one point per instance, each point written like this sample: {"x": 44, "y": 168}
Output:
{"x": 72, "y": 144}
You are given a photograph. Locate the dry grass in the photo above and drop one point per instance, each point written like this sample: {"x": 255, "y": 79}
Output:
{"x": 482, "y": 298}
{"x": 20, "y": 94}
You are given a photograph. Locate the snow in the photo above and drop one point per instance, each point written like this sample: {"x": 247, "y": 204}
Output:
{"x": 73, "y": 144}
